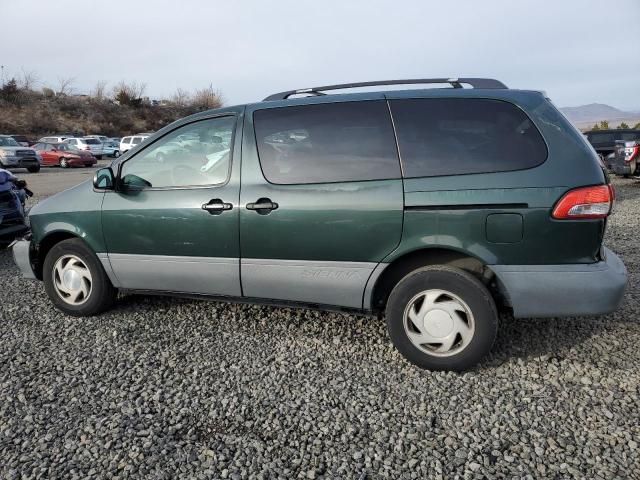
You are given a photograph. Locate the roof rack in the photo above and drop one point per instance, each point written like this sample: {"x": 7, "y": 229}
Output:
{"x": 454, "y": 82}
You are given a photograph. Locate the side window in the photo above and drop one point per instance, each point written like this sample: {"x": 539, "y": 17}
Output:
{"x": 333, "y": 142}
{"x": 173, "y": 162}
{"x": 135, "y": 140}
{"x": 455, "y": 136}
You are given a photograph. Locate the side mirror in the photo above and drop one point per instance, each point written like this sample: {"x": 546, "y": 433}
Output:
{"x": 103, "y": 179}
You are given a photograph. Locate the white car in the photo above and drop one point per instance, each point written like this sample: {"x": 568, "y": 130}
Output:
{"x": 110, "y": 148}
{"x": 54, "y": 139}
{"x": 92, "y": 145}
{"x": 127, "y": 143}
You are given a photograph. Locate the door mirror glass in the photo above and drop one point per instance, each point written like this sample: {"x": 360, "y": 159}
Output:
{"x": 103, "y": 179}
{"x": 134, "y": 183}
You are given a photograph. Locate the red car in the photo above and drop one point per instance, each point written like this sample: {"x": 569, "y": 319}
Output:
{"x": 64, "y": 155}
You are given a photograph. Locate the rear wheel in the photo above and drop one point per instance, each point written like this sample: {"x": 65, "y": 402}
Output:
{"x": 442, "y": 318}
{"x": 64, "y": 163}
{"x": 116, "y": 154}
{"x": 75, "y": 280}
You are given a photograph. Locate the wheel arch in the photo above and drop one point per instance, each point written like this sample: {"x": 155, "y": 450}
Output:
{"x": 45, "y": 246}
{"x": 410, "y": 261}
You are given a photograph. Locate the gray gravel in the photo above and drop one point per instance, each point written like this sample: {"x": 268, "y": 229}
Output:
{"x": 168, "y": 388}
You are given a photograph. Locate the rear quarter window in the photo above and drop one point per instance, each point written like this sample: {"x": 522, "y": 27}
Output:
{"x": 455, "y": 136}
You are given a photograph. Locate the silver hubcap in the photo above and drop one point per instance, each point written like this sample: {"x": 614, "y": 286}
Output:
{"x": 72, "y": 280}
{"x": 438, "y": 323}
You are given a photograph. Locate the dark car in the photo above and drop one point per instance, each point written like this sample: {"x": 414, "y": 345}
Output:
{"x": 604, "y": 141}
{"x": 22, "y": 140}
{"x": 12, "y": 215}
{"x": 433, "y": 207}
{"x": 627, "y": 158}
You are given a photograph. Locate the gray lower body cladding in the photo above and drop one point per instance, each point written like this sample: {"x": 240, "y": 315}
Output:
{"x": 532, "y": 290}
{"x": 563, "y": 290}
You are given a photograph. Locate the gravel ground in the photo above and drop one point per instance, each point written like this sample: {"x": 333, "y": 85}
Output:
{"x": 168, "y": 388}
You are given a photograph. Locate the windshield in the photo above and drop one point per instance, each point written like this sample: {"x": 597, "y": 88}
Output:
{"x": 8, "y": 142}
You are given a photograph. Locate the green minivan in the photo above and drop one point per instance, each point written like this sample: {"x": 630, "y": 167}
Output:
{"x": 436, "y": 207}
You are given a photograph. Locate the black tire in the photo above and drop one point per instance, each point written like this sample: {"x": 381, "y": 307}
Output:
{"x": 33, "y": 169}
{"x": 99, "y": 157}
{"x": 63, "y": 163}
{"x": 116, "y": 154}
{"x": 460, "y": 283}
{"x": 102, "y": 294}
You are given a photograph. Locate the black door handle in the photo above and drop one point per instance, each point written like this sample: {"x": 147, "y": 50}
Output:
{"x": 216, "y": 206}
{"x": 263, "y": 206}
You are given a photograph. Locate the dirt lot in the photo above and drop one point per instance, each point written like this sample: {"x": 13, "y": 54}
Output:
{"x": 168, "y": 388}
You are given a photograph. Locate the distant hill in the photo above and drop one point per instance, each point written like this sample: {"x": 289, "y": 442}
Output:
{"x": 585, "y": 116}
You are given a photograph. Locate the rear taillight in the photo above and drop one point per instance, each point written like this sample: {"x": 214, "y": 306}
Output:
{"x": 630, "y": 153}
{"x": 585, "y": 203}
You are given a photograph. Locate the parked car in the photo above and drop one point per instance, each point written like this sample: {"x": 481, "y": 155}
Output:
{"x": 604, "y": 141}
{"x": 627, "y": 158}
{"x": 64, "y": 155}
{"x": 111, "y": 149}
{"x": 22, "y": 140}
{"x": 92, "y": 145}
{"x": 53, "y": 139}
{"x": 14, "y": 155}
{"x": 469, "y": 202}
{"x": 127, "y": 143}
{"x": 102, "y": 138}
{"x": 13, "y": 193}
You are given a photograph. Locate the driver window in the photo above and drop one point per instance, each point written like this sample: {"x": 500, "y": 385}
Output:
{"x": 193, "y": 155}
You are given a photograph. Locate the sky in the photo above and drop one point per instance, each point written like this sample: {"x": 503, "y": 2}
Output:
{"x": 578, "y": 51}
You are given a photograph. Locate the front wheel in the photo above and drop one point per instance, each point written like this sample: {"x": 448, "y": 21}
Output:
{"x": 75, "y": 281}
{"x": 116, "y": 154}
{"x": 64, "y": 163}
{"x": 442, "y": 318}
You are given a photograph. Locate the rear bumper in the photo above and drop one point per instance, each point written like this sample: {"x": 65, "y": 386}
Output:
{"x": 21, "y": 250}
{"x": 564, "y": 290}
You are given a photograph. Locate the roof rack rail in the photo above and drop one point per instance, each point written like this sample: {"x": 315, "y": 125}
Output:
{"x": 454, "y": 82}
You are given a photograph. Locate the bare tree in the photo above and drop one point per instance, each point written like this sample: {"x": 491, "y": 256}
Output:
{"x": 207, "y": 98}
{"x": 65, "y": 85}
{"x": 181, "y": 98}
{"x": 99, "y": 90}
{"x": 28, "y": 80}
{"x": 132, "y": 89}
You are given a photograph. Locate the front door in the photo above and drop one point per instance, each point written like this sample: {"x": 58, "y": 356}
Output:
{"x": 172, "y": 224}
{"x": 321, "y": 201}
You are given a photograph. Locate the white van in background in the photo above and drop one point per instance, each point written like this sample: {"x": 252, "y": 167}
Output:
{"x": 127, "y": 143}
